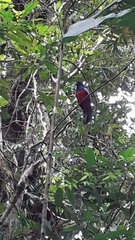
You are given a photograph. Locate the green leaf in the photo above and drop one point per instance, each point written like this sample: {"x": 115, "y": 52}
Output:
{"x": 68, "y": 38}
{"x": 103, "y": 159}
{"x": 4, "y": 84}
{"x": 33, "y": 225}
{"x": 2, "y": 208}
{"x": 6, "y": 15}
{"x": 90, "y": 23}
{"x": 70, "y": 195}
{"x": 42, "y": 29}
{"x": 30, "y": 6}
{"x": 24, "y": 37}
{"x": 72, "y": 183}
{"x": 5, "y": 114}
{"x": 128, "y": 154}
{"x": 19, "y": 230}
{"x": 48, "y": 100}
{"x": 86, "y": 175}
{"x": 110, "y": 175}
{"x": 89, "y": 157}
{"x": 43, "y": 74}
{"x": 51, "y": 67}
{"x": 132, "y": 197}
{"x": 62, "y": 97}
{"x": 20, "y": 41}
{"x": 71, "y": 228}
{"x": 87, "y": 216}
{"x": 86, "y": 154}
{"x": 3, "y": 101}
{"x": 59, "y": 197}
{"x": 4, "y": 4}
{"x": 58, "y": 5}
{"x": 81, "y": 27}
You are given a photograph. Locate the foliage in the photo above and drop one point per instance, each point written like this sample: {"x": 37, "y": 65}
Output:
{"x": 91, "y": 185}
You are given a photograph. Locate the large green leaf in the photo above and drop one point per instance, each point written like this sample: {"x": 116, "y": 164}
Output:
{"x": 92, "y": 22}
{"x": 81, "y": 27}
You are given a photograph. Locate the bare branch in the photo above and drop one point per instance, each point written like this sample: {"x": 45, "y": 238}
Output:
{"x": 50, "y": 151}
{"x": 20, "y": 188}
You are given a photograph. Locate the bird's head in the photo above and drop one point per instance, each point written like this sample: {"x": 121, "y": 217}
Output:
{"x": 79, "y": 85}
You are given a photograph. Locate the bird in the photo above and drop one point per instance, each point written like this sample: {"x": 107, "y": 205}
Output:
{"x": 82, "y": 95}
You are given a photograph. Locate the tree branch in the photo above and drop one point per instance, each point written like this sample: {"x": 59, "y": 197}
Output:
{"x": 20, "y": 188}
{"x": 50, "y": 150}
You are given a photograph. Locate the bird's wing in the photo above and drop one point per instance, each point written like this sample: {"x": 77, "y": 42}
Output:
{"x": 86, "y": 90}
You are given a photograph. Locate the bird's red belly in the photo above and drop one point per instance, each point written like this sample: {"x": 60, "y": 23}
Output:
{"x": 83, "y": 99}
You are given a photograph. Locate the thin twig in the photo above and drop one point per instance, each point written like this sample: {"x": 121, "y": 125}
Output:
{"x": 62, "y": 130}
{"x": 67, "y": 11}
{"x": 95, "y": 9}
{"x": 78, "y": 68}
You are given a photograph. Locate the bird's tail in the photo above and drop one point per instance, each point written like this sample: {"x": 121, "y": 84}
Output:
{"x": 87, "y": 115}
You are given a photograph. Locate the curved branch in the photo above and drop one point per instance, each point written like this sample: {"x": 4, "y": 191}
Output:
{"x": 78, "y": 68}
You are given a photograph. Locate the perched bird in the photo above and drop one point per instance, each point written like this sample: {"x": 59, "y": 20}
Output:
{"x": 82, "y": 95}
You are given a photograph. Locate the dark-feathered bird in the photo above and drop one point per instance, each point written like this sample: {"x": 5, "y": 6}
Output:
{"x": 82, "y": 95}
